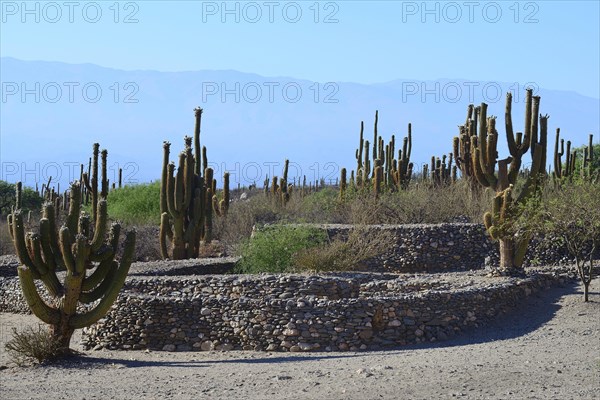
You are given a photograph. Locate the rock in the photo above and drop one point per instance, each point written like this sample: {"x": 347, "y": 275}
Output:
{"x": 169, "y": 347}
{"x": 305, "y": 346}
{"x": 206, "y": 345}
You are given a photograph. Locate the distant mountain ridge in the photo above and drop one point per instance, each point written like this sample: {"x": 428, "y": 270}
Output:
{"x": 52, "y": 112}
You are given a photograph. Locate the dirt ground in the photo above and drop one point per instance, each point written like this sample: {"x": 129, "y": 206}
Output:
{"x": 548, "y": 349}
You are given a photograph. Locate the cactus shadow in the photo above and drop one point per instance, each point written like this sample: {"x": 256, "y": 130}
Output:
{"x": 83, "y": 361}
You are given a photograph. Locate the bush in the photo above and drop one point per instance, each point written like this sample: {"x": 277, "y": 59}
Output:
{"x": 32, "y": 345}
{"x": 344, "y": 255}
{"x": 31, "y": 200}
{"x": 271, "y": 249}
{"x": 136, "y": 204}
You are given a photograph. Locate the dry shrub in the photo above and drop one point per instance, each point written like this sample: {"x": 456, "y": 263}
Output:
{"x": 259, "y": 210}
{"x": 6, "y": 244}
{"x": 147, "y": 247}
{"x": 345, "y": 254}
{"x": 422, "y": 203}
{"x": 31, "y": 345}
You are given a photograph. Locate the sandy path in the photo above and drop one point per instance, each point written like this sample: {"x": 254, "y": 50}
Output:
{"x": 550, "y": 350}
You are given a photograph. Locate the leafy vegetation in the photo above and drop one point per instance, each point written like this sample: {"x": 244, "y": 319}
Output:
{"x": 31, "y": 200}
{"x": 271, "y": 249}
{"x": 135, "y": 205}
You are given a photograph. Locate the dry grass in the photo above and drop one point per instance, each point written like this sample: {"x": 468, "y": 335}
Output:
{"x": 347, "y": 254}
{"x": 33, "y": 345}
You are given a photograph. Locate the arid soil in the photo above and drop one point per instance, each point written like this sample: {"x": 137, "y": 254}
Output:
{"x": 548, "y": 349}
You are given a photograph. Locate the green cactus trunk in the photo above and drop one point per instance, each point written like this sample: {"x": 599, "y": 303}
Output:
{"x": 186, "y": 200}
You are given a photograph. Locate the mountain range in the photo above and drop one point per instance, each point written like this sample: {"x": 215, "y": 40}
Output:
{"x": 52, "y": 112}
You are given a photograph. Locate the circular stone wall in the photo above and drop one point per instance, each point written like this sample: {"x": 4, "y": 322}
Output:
{"x": 304, "y": 313}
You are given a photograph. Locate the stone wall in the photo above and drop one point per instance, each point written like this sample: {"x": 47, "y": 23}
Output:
{"x": 427, "y": 247}
{"x": 447, "y": 247}
{"x": 304, "y": 313}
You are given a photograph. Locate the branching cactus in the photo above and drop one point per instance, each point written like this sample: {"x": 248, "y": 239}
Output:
{"x": 93, "y": 275}
{"x": 222, "y": 207}
{"x": 395, "y": 174}
{"x": 185, "y": 199}
{"x": 499, "y": 222}
{"x": 563, "y": 171}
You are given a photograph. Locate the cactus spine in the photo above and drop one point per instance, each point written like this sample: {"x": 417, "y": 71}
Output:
{"x": 77, "y": 248}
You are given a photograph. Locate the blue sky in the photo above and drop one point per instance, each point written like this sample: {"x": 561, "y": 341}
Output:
{"x": 552, "y": 43}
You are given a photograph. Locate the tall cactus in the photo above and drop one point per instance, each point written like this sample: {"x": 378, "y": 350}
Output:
{"x": 499, "y": 222}
{"x": 395, "y": 173}
{"x": 563, "y": 171}
{"x": 222, "y": 207}
{"x": 185, "y": 199}
{"x": 78, "y": 248}
{"x": 342, "y": 184}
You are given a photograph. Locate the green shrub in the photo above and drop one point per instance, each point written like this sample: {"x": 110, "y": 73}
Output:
{"x": 136, "y": 204}
{"x": 31, "y": 200}
{"x": 30, "y": 345}
{"x": 271, "y": 248}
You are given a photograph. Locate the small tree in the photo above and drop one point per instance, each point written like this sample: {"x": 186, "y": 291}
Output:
{"x": 572, "y": 216}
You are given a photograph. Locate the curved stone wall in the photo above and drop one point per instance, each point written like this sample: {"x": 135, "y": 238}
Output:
{"x": 304, "y": 313}
{"x": 427, "y": 247}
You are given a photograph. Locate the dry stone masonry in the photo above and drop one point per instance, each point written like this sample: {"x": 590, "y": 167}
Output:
{"x": 408, "y": 297}
{"x": 305, "y": 313}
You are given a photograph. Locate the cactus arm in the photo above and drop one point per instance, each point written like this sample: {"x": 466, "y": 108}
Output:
{"x": 165, "y": 228}
{"x": 97, "y": 276}
{"x": 66, "y": 243}
{"x": 74, "y": 210}
{"x": 171, "y": 191}
{"x": 204, "y": 158}
{"x": 482, "y": 140}
{"x": 188, "y": 177}
{"x": 481, "y": 178}
{"x": 375, "y": 136}
{"x": 226, "y": 195}
{"x": 510, "y": 136}
{"x": 179, "y": 184}
{"x": 197, "y": 126}
{"x": 528, "y": 114}
{"x": 9, "y": 220}
{"x": 37, "y": 305}
{"x": 20, "y": 244}
{"x": 87, "y": 318}
{"x": 163, "y": 180}
{"x": 47, "y": 275}
{"x": 100, "y": 231}
{"x": 102, "y": 286}
{"x": 558, "y": 154}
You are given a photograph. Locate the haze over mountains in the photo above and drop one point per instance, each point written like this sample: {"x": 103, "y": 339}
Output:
{"x": 52, "y": 112}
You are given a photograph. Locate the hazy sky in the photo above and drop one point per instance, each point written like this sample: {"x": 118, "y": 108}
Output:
{"x": 553, "y": 43}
